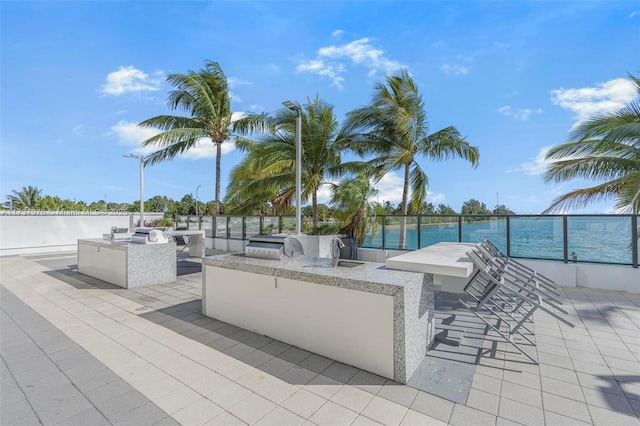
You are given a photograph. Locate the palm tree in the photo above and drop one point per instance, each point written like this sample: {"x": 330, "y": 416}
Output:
{"x": 394, "y": 128}
{"x": 352, "y": 204}
{"x": 27, "y": 198}
{"x": 204, "y": 95}
{"x": 268, "y": 171}
{"x": 604, "y": 148}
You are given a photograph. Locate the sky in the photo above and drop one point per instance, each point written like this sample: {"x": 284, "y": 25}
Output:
{"x": 513, "y": 77}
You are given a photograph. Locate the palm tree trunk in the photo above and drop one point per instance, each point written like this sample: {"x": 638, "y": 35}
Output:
{"x": 314, "y": 209}
{"x": 403, "y": 206}
{"x": 218, "y": 154}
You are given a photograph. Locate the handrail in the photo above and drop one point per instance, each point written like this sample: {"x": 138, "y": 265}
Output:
{"x": 574, "y": 237}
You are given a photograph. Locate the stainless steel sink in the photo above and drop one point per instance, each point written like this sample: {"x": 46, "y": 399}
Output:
{"x": 349, "y": 263}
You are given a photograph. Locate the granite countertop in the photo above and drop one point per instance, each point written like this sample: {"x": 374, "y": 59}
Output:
{"x": 369, "y": 276}
{"x": 117, "y": 244}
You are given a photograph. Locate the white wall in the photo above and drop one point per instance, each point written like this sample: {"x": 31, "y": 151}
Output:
{"x": 41, "y": 234}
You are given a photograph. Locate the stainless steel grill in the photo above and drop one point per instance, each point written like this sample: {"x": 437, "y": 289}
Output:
{"x": 273, "y": 247}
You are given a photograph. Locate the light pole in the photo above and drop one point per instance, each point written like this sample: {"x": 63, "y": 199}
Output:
{"x": 293, "y": 107}
{"x": 198, "y": 187}
{"x": 141, "y": 158}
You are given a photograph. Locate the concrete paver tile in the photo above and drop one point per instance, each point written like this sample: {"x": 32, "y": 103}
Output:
{"x": 396, "y": 392}
{"x": 64, "y": 410}
{"x": 279, "y": 417}
{"x": 415, "y": 418}
{"x": 298, "y": 376}
{"x": 146, "y": 414}
{"x": 608, "y": 401}
{"x": 603, "y": 417}
{"x": 522, "y": 394}
{"x": 277, "y": 391}
{"x": 316, "y": 363}
{"x": 323, "y": 386}
{"x": 197, "y": 413}
{"x": 176, "y": 399}
{"x": 385, "y": 411}
{"x": 368, "y": 382}
{"x": 88, "y": 417}
{"x": 520, "y": 413}
{"x": 254, "y": 379}
{"x": 229, "y": 395}
{"x": 433, "y": 406}
{"x": 17, "y": 412}
{"x": 252, "y": 408}
{"x": 486, "y": 383}
{"x": 555, "y": 419}
{"x": 483, "y": 401}
{"x": 333, "y": 414}
{"x": 464, "y": 416}
{"x": 566, "y": 407}
{"x": 353, "y": 398}
{"x": 340, "y": 372}
{"x": 364, "y": 421}
{"x": 563, "y": 389}
{"x": 303, "y": 403}
{"x": 225, "y": 419}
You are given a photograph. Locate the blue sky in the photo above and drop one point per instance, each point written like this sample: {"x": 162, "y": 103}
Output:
{"x": 513, "y": 77}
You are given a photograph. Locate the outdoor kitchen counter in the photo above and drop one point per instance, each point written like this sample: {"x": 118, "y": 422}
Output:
{"x": 127, "y": 264}
{"x": 367, "y": 316}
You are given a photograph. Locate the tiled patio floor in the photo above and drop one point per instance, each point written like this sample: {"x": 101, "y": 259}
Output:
{"x": 76, "y": 350}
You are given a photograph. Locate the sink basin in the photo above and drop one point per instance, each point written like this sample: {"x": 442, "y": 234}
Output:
{"x": 348, "y": 263}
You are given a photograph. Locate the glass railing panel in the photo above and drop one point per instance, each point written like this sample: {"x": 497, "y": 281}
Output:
{"x": 374, "y": 235}
{"x": 475, "y": 229}
{"x": 599, "y": 239}
{"x": 252, "y": 226}
{"x": 401, "y": 232}
{"x": 438, "y": 229}
{"x": 207, "y": 225}
{"x": 193, "y": 223}
{"x": 288, "y": 224}
{"x": 182, "y": 221}
{"x": 537, "y": 237}
{"x": 270, "y": 224}
{"x": 221, "y": 227}
{"x": 235, "y": 227}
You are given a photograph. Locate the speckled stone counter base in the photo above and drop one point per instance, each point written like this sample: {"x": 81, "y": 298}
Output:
{"x": 126, "y": 264}
{"x": 413, "y": 296}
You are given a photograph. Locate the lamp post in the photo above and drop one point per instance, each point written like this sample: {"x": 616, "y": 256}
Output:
{"x": 198, "y": 187}
{"x": 141, "y": 158}
{"x": 293, "y": 107}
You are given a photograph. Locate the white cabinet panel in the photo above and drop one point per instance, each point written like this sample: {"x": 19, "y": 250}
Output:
{"x": 103, "y": 263}
{"x": 354, "y": 327}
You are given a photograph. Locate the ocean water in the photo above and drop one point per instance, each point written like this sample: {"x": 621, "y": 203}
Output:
{"x": 592, "y": 238}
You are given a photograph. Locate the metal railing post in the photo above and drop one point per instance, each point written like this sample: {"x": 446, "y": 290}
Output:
{"x": 508, "y": 236}
{"x": 459, "y": 228}
{"x": 634, "y": 240}
{"x": 419, "y": 234}
{"x": 384, "y": 219}
{"x": 565, "y": 239}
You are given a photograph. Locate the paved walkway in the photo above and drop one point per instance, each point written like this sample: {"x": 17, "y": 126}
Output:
{"x": 76, "y": 350}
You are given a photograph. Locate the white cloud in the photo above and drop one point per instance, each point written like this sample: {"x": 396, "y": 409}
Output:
{"x": 522, "y": 114}
{"x": 632, "y": 14}
{"x": 329, "y": 61}
{"x": 79, "y": 130}
{"x": 535, "y": 166}
{"x": 318, "y": 66}
{"x": 130, "y": 79}
{"x": 234, "y": 97}
{"x": 455, "y": 69}
{"x": 390, "y": 188}
{"x": 587, "y": 102}
{"x": 324, "y": 192}
{"x": 272, "y": 68}
{"x": 131, "y": 135}
{"x": 436, "y": 198}
{"x": 337, "y": 33}
{"x": 235, "y": 82}
{"x": 256, "y": 107}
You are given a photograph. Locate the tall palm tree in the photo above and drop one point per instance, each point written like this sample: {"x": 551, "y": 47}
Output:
{"x": 604, "y": 148}
{"x": 352, "y": 204}
{"x": 26, "y": 198}
{"x": 204, "y": 95}
{"x": 394, "y": 128}
{"x": 268, "y": 171}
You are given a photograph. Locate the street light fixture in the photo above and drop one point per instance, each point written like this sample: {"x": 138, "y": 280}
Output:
{"x": 141, "y": 158}
{"x": 197, "y": 199}
{"x": 296, "y": 109}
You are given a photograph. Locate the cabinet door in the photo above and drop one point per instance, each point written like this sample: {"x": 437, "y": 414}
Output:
{"x": 103, "y": 263}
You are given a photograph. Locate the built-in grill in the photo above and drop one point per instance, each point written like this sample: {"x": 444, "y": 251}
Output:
{"x": 149, "y": 236}
{"x": 273, "y": 247}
